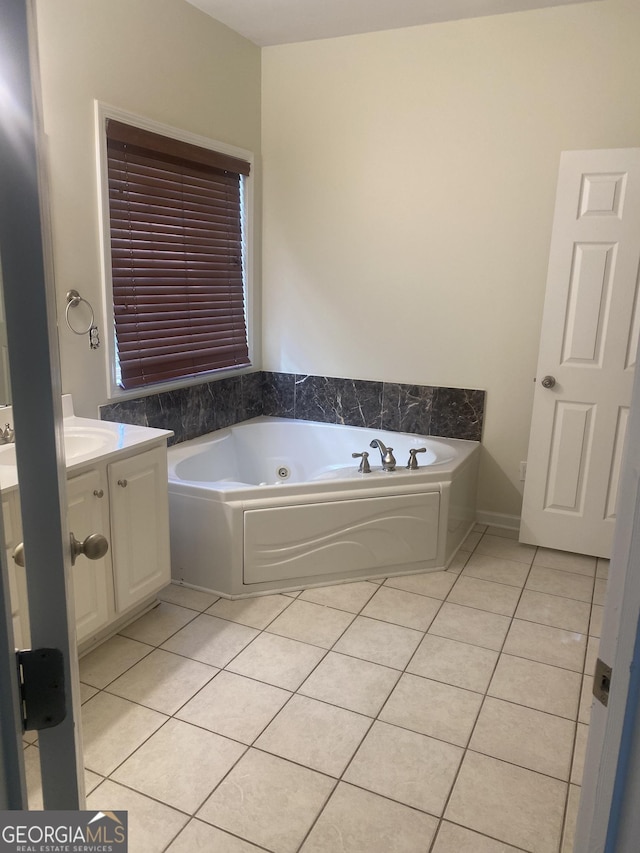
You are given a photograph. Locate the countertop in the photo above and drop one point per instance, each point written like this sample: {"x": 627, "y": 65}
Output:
{"x": 87, "y": 441}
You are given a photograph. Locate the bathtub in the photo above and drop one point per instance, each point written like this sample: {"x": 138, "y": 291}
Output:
{"x": 278, "y": 504}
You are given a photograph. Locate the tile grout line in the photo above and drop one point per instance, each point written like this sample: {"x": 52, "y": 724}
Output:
{"x": 170, "y": 717}
{"x": 575, "y": 722}
{"x": 287, "y": 702}
{"x": 252, "y": 745}
{"x": 575, "y": 739}
{"x": 192, "y": 815}
{"x": 376, "y": 718}
{"x": 295, "y": 693}
{"x": 328, "y": 650}
{"x": 486, "y": 692}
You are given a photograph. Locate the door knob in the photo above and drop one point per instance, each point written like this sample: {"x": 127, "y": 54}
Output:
{"x": 94, "y": 547}
{"x": 548, "y": 381}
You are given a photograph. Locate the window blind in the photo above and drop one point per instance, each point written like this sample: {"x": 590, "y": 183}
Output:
{"x": 176, "y": 256}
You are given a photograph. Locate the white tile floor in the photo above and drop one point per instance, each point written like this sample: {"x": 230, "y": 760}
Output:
{"x": 434, "y": 713}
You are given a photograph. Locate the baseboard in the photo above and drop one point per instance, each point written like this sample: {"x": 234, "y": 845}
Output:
{"x": 498, "y": 519}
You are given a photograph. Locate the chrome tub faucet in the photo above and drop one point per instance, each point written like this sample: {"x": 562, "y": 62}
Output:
{"x": 7, "y": 435}
{"x": 386, "y": 454}
{"x": 412, "y": 464}
{"x": 364, "y": 467}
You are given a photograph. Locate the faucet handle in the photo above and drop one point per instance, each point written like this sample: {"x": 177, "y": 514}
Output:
{"x": 8, "y": 434}
{"x": 364, "y": 467}
{"x": 412, "y": 464}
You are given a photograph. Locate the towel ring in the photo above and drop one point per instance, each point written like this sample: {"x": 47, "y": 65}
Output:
{"x": 73, "y": 300}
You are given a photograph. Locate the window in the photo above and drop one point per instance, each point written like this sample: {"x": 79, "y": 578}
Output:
{"x": 177, "y": 249}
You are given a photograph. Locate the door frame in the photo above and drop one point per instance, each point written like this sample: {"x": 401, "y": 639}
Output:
{"x": 608, "y": 804}
{"x": 13, "y": 786}
{"x": 35, "y": 373}
{"x": 29, "y": 295}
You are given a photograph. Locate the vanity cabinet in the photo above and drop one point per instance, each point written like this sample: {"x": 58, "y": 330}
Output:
{"x": 127, "y": 501}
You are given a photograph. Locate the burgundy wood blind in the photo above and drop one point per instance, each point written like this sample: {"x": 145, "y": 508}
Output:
{"x": 176, "y": 256}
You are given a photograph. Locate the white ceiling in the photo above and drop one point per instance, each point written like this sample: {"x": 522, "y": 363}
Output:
{"x": 268, "y": 22}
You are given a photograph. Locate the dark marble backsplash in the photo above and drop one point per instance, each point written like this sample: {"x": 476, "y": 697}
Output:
{"x": 196, "y": 410}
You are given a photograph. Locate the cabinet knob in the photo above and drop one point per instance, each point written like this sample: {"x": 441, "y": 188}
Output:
{"x": 99, "y": 493}
{"x": 94, "y": 547}
{"x": 122, "y": 483}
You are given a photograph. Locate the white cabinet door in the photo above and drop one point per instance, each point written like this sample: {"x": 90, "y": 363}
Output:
{"x": 588, "y": 346}
{"x": 138, "y": 494}
{"x": 92, "y": 579}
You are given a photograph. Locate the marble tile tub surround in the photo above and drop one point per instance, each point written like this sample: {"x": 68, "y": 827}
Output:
{"x": 193, "y": 410}
{"x": 421, "y": 409}
{"x": 198, "y": 409}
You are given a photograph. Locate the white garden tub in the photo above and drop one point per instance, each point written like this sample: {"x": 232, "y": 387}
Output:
{"x": 277, "y": 504}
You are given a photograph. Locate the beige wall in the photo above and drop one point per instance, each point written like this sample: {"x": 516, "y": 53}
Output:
{"x": 162, "y": 59}
{"x": 409, "y": 183}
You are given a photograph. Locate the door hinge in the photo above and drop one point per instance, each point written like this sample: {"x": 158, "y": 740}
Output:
{"x": 602, "y": 682}
{"x": 41, "y": 680}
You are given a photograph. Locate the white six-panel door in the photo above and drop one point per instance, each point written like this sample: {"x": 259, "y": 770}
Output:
{"x": 588, "y": 344}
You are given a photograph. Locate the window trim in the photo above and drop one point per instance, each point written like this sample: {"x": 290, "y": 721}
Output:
{"x": 103, "y": 112}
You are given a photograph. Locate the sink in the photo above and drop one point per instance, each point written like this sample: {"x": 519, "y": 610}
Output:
{"x": 77, "y": 442}
{"x": 8, "y": 455}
